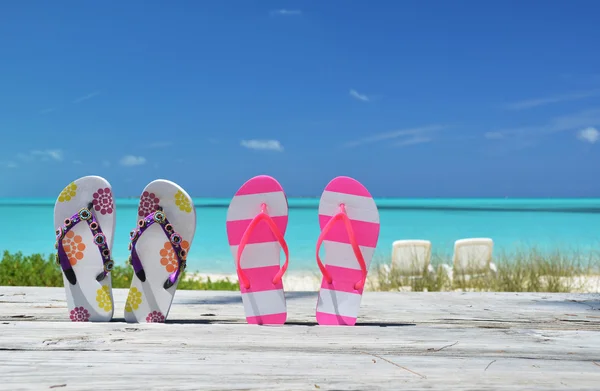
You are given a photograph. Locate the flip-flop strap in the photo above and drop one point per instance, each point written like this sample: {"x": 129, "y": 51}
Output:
{"x": 176, "y": 239}
{"x": 87, "y": 215}
{"x": 342, "y": 215}
{"x": 262, "y": 216}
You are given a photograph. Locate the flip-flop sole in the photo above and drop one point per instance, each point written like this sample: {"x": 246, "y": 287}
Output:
{"x": 339, "y": 302}
{"x": 264, "y": 302}
{"x": 88, "y": 299}
{"x": 149, "y": 301}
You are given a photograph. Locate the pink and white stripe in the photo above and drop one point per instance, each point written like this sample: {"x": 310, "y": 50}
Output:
{"x": 264, "y": 302}
{"x": 339, "y": 302}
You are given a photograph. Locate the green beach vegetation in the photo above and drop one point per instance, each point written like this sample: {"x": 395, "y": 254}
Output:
{"x": 524, "y": 271}
{"x": 17, "y": 269}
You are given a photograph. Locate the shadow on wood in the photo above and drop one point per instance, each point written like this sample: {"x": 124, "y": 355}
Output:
{"x": 458, "y": 341}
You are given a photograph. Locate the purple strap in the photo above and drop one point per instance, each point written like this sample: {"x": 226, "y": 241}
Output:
{"x": 85, "y": 214}
{"x": 175, "y": 239}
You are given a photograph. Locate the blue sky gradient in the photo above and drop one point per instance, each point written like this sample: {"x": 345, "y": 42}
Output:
{"x": 412, "y": 98}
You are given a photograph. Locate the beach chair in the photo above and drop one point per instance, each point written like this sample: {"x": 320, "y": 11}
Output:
{"x": 472, "y": 257}
{"x": 412, "y": 258}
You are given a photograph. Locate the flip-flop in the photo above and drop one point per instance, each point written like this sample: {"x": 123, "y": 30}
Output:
{"x": 84, "y": 217}
{"x": 256, "y": 222}
{"x": 349, "y": 222}
{"x": 159, "y": 247}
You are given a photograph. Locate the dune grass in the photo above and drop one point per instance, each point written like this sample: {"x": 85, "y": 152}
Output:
{"x": 17, "y": 269}
{"x": 524, "y": 271}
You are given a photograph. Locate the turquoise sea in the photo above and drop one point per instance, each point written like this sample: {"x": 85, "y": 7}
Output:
{"x": 546, "y": 224}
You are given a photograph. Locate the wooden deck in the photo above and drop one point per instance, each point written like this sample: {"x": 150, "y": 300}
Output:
{"x": 433, "y": 341}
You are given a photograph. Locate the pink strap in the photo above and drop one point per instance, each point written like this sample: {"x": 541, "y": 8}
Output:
{"x": 357, "y": 253}
{"x": 260, "y": 217}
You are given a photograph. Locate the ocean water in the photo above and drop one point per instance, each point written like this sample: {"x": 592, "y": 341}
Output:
{"x": 546, "y": 224}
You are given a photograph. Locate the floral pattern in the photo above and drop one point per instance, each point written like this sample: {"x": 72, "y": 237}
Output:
{"x": 169, "y": 258}
{"x": 103, "y": 298}
{"x": 103, "y": 201}
{"x": 68, "y": 193}
{"x": 155, "y": 317}
{"x": 134, "y": 299}
{"x": 148, "y": 204}
{"x": 79, "y": 314}
{"x": 183, "y": 202}
{"x": 74, "y": 247}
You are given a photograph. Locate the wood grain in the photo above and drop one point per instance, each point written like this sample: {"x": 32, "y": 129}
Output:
{"x": 417, "y": 341}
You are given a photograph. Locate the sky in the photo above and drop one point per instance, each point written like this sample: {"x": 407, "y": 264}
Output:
{"x": 412, "y": 98}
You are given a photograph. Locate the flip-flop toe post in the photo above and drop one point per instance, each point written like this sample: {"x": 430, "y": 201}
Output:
{"x": 349, "y": 222}
{"x": 84, "y": 219}
{"x": 256, "y": 222}
{"x": 159, "y": 247}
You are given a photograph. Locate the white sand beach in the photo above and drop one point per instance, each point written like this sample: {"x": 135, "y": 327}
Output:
{"x": 312, "y": 281}
{"x": 292, "y": 282}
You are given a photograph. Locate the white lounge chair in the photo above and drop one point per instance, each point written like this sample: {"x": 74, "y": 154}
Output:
{"x": 472, "y": 257}
{"x": 411, "y": 258}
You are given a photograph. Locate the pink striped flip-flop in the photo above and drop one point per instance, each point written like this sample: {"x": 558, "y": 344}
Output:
{"x": 256, "y": 223}
{"x": 349, "y": 223}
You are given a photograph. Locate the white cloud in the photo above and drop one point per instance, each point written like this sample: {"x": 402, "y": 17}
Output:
{"x": 131, "y": 160}
{"x": 286, "y": 12}
{"x": 589, "y": 135}
{"x": 493, "y": 135}
{"x": 159, "y": 144}
{"x": 413, "y": 141}
{"x": 86, "y": 97}
{"x": 425, "y": 131}
{"x": 45, "y": 155}
{"x": 356, "y": 95}
{"x": 531, "y": 103}
{"x": 513, "y": 139}
{"x": 25, "y": 157}
{"x": 54, "y": 154}
{"x": 9, "y": 164}
{"x": 77, "y": 162}
{"x": 47, "y": 111}
{"x": 565, "y": 123}
{"x": 271, "y": 145}
{"x": 106, "y": 163}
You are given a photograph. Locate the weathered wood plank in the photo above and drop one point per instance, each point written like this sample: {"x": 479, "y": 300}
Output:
{"x": 527, "y": 310}
{"x": 406, "y": 340}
